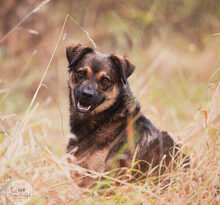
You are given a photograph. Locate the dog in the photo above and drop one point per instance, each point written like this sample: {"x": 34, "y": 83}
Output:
{"x": 109, "y": 129}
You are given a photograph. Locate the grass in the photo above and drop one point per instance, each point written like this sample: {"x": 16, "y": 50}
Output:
{"x": 179, "y": 93}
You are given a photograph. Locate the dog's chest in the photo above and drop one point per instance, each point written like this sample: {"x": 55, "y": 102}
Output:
{"x": 93, "y": 158}
{"x": 93, "y": 150}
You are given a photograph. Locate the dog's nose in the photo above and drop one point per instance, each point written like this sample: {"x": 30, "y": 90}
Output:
{"x": 86, "y": 92}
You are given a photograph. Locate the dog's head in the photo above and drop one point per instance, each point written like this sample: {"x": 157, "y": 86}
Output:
{"x": 95, "y": 79}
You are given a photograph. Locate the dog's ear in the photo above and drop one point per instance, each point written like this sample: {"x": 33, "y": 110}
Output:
{"x": 75, "y": 53}
{"x": 124, "y": 66}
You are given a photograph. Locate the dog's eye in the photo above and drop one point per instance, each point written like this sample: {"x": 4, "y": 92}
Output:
{"x": 105, "y": 81}
{"x": 81, "y": 74}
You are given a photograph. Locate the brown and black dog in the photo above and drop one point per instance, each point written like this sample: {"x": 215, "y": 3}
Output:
{"x": 105, "y": 117}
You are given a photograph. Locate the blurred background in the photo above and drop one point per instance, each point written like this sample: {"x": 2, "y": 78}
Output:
{"x": 174, "y": 45}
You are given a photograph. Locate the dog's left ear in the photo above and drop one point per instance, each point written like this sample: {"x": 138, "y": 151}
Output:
{"x": 75, "y": 53}
{"x": 123, "y": 65}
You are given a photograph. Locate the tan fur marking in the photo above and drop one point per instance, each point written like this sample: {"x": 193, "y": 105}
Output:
{"x": 109, "y": 101}
{"x": 100, "y": 74}
{"x": 89, "y": 71}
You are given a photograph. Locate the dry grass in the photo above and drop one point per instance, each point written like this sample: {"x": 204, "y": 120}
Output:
{"x": 40, "y": 161}
{"x": 179, "y": 92}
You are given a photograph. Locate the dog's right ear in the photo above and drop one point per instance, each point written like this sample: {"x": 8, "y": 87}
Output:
{"x": 75, "y": 53}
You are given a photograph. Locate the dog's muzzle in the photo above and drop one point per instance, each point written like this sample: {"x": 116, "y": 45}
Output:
{"x": 87, "y": 99}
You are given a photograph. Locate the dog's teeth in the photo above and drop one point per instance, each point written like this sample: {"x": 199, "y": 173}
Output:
{"x": 82, "y": 107}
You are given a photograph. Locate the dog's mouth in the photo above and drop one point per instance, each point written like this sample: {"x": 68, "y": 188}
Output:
{"x": 84, "y": 107}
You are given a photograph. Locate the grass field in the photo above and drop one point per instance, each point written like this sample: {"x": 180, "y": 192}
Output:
{"x": 177, "y": 81}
